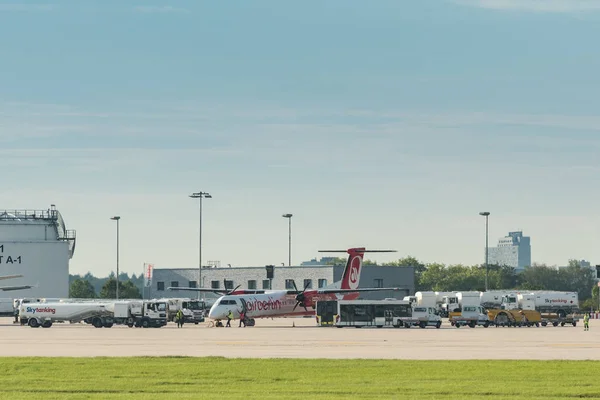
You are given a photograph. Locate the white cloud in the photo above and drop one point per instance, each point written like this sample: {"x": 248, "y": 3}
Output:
{"x": 558, "y": 6}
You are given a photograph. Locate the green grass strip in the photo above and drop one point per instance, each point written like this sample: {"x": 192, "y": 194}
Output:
{"x": 216, "y": 377}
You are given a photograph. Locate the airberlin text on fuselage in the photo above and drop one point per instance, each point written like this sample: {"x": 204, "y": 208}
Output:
{"x": 270, "y": 304}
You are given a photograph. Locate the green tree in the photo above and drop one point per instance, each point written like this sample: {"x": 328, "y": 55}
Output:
{"x": 127, "y": 290}
{"x": 81, "y": 289}
{"x": 336, "y": 261}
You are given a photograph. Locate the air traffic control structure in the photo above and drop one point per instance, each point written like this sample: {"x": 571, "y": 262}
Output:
{"x": 37, "y": 245}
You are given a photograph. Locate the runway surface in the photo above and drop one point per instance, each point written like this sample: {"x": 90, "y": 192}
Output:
{"x": 279, "y": 339}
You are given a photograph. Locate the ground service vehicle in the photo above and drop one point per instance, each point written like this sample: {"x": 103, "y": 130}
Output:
{"x": 359, "y": 313}
{"x": 193, "y": 310}
{"x": 443, "y": 302}
{"x": 493, "y": 298}
{"x": 503, "y": 317}
{"x": 554, "y": 307}
{"x": 559, "y": 303}
{"x": 470, "y": 316}
{"x": 422, "y": 317}
{"x": 44, "y": 314}
{"x": 143, "y": 314}
{"x": 468, "y": 299}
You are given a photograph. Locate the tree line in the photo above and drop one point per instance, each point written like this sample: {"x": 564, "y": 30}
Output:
{"x": 90, "y": 287}
{"x": 444, "y": 278}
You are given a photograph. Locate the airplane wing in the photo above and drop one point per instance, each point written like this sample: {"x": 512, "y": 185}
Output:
{"x": 325, "y": 291}
{"x": 8, "y": 288}
{"x": 218, "y": 291}
{"x": 199, "y": 290}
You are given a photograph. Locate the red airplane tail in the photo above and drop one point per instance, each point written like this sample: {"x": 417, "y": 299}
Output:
{"x": 351, "y": 275}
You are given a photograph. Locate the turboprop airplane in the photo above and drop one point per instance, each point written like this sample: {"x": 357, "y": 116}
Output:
{"x": 8, "y": 288}
{"x": 283, "y": 303}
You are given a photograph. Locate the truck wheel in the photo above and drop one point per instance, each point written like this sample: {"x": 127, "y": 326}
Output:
{"x": 109, "y": 325}
{"x": 555, "y": 324}
{"x": 407, "y": 325}
{"x": 422, "y": 325}
{"x": 46, "y": 324}
{"x": 562, "y": 324}
{"x": 145, "y": 323}
{"x": 574, "y": 323}
{"x": 439, "y": 323}
{"x": 486, "y": 324}
{"x": 33, "y": 323}
{"x": 130, "y": 324}
{"x": 544, "y": 323}
{"x": 457, "y": 325}
{"x": 472, "y": 325}
{"x": 97, "y": 322}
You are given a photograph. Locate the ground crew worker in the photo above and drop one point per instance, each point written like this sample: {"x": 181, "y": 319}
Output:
{"x": 16, "y": 311}
{"x": 229, "y": 318}
{"x": 242, "y": 319}
{"x": 586, "y": 322}
{"x": 179, "y": 318}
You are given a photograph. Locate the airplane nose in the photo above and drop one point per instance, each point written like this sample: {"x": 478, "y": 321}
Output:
{"x": 213, "y": 314}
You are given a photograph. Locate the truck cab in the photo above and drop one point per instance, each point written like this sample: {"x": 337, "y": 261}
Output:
{"x": 156, "y": 311}
{"x": 510, "y": 302}
{"x": 449, "y": 304}
{"x": 193, "y": 311}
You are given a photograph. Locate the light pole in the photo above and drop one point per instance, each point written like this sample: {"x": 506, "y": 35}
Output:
{"x": 289, "y": 217}
{"x": 200, "y": 195}
{"x": 117, "y": 218}
{"x": 486, "y": 214}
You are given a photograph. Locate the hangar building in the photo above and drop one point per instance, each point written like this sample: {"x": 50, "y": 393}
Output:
{"x": 315, "y": 276}
{"x": 37, "y": 245}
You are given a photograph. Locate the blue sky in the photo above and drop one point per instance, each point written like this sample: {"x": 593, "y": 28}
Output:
{"x": 385, "y": 124}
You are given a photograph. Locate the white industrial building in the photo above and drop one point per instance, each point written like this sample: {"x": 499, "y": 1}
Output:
{"x": 37, "y": 245}
{"x": 312, "y": 276}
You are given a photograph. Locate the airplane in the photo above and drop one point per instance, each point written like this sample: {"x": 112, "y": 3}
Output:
{"x": 283, "y": 303}
{"x": 9, "y": 288}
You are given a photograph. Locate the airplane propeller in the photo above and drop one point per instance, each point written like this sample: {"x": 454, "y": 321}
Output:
{"x": 231, "y": 291}
{"x": 300, "y": 296}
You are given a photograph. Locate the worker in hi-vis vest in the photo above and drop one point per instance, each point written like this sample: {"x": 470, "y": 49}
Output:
{"x": 586, "y": 322}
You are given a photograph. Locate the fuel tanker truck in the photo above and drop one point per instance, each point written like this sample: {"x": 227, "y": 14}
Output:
{"x": 45, "y": 314}
{"x": 555, "y": 307}
{"x": 541, "y": 307}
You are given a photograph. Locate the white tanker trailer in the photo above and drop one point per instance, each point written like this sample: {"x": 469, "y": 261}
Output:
{"x": 44, "y": 314}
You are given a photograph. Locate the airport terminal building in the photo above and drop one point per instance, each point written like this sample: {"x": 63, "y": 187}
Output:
{"x": 315, "y": 276}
